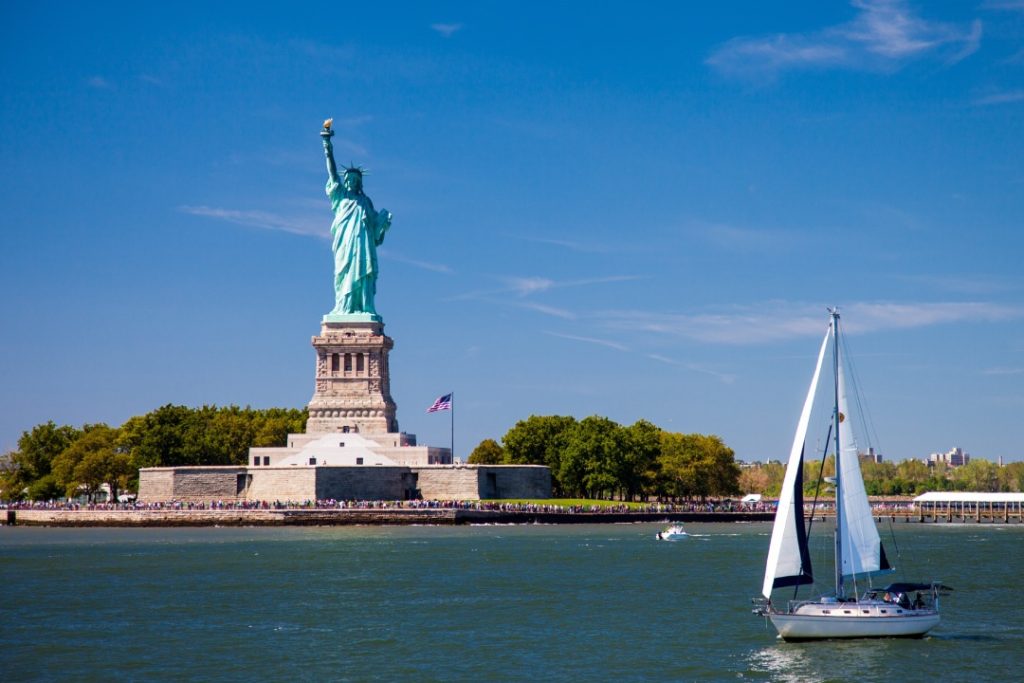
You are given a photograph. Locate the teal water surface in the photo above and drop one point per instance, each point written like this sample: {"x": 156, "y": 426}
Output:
{"x": 499, "y": 603}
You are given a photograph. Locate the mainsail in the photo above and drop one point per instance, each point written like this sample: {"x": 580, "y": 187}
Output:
{"x": 789, "y": 562}
{"x": 861, "y": 547}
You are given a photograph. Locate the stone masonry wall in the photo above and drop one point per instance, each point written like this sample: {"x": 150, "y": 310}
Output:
{"x": 361, "y": 483}
{"x": 446, "y": 482}
{"x": 199, "y": 484}
{"x": 282, "y": 483}
{"x": 471, "y": 482}
{"x": 297, "y": 484}
{"x": 515, "y": 481}
{"x": 155, "y": 484}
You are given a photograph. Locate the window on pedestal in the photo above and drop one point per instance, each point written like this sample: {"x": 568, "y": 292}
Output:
{"x": 335, "y": 362}
{"x": 359, "y": 362}
{"x": 348, "y": 362}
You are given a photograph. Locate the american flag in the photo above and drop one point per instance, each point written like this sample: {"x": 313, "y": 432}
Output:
{"x": 442, "y": 403}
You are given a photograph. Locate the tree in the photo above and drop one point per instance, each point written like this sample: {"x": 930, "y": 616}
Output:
{"x": 678, "y": 472}
{"x": 89, "y": 462}
{"x": 754, "y": 478}
{"x": 539, "y": 440}
{"x": 177, "y": 435}
{"x": 880, "y": 478}
{"x": 915, "y": 473}
{"x": 977, "y": 475}
{"x": 275, "y": 424}
{"x": 30, "y": 466}
{"x": 698, "y": 465}
{"x": 487, "y": 452}
{"x": 1012, "y": 477}
{"x": 774, "y": 472}
{"x": 592, "y": 458}
{"x": 723, "y": 473}
{"x": 157, "y": 439}
{"x": 639, "y": 469}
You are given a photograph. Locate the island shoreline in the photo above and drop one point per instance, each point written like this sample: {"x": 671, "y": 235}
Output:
{"x": 350, "y": 517}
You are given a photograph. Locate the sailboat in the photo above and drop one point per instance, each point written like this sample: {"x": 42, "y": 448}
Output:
{"x": 889, "y": 611}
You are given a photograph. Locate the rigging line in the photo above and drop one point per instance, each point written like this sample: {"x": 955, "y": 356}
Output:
{"x": 895, "y": 545}
{"x": 863, "y": 415}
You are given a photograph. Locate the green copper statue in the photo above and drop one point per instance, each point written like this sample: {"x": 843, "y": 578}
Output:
{"x": 356, "y": 233}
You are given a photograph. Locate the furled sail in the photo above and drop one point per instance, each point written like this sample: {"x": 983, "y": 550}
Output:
{"x": 789, "y": 562}
{"x": 861, "y": 547}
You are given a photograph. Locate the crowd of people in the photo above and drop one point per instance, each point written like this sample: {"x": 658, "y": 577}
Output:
{"x": 330, "y": 504}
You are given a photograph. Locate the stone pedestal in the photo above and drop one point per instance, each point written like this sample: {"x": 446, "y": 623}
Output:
{"x": 353, "y": 385}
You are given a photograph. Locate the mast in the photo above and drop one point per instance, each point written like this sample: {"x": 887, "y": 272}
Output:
{"x": 837, "y": 416}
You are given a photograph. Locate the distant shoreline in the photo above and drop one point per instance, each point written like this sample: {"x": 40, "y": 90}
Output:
{"x": 349, "y": 517}
{"x": 410, "y": 517}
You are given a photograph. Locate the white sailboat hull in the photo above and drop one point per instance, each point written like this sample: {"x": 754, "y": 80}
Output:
{"x": 815, "y": 626}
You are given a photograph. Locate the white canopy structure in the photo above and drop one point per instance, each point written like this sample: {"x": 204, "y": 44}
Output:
{"x": 971, "y": 497}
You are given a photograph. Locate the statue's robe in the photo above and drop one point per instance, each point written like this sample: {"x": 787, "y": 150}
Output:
{"x": 356, "y": 232}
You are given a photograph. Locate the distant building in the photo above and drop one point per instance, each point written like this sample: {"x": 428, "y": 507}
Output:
{"x": 870, "y": 456}
{"x": 955, "y": 457}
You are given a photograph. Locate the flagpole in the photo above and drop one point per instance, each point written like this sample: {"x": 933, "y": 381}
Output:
{"x": 452, "y": 432}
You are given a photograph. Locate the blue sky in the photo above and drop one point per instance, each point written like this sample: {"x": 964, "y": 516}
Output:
{"x": 631, "y": 212}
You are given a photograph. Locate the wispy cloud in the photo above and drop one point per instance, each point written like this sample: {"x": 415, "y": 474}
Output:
{"x": 744, "y": 239}
{"x": 1000, "y": 98}
{"x": 1003, "y": 371}
{"x": 590, "y": 340}
{"x": 261, "y": 219}
{"x": 873, "y": 317}
{"x": 447, "y": 30}
{"x": 425, "y": 265}
{"x": 883, "y": 35}
{"x": 582, "y": 247}
{"x": 780, "y": 321}
{"x": 524, "y": 286}
{"x": 546, "y": 310}
{"x": 99, "y": 83}
{"x": 352, "y": 121}
{"x": 963, "y": 284}
{"x": 723, "y": 376}
{"x": 1016, "y": 58}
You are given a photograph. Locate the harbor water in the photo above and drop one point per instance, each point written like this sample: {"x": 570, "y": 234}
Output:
{"x": 489, "y": 603}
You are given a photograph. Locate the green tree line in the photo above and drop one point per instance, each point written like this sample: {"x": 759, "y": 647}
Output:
{"x": 54, "y": 461}
{"x": 598, "y": 458}
{"x": 906, "y": 478}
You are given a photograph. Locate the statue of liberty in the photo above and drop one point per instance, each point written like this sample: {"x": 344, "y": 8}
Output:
{"x": 356, "y": 233}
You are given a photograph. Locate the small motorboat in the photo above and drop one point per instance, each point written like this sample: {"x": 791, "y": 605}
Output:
{"x": 673, "y": 533}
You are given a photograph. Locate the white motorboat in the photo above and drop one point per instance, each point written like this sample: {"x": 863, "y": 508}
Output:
{"x": 859, "y": 556}
{"x": 673, "y": 533}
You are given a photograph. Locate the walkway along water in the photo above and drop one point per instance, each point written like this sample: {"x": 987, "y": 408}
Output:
{"x": 332, "y": 513}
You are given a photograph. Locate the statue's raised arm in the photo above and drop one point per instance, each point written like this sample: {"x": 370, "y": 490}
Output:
{"x": 327, "y": 133}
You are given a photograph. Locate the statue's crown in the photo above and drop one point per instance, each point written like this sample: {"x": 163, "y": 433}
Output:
{"x": 358, "y": 170}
